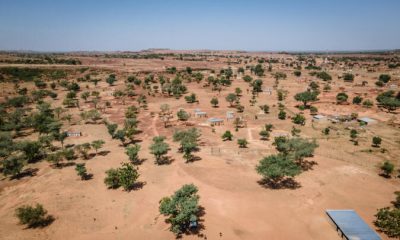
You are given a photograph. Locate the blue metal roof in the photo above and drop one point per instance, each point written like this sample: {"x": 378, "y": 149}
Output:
{"x": 215, "y": 119}
{"x": 351, "y": 225}
{"x": 366, "y": 119}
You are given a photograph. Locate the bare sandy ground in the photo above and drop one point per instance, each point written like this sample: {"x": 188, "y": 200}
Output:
{"x": 236, "y": 206}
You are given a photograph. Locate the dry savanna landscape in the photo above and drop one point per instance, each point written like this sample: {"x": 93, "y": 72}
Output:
{"x": 165, "y": 144}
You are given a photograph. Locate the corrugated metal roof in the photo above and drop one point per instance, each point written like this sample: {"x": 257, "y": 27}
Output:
{"x": 215, "y": 120}
{"x": 351, "y": 225}
{"x": 366, "y": 119}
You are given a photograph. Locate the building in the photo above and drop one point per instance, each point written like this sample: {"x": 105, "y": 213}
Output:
{"x": 230, "y": 115}
{"x": 216, "y": 121}
{"x": 199, "y": 113}
{"x": 318, "y": 117}
{"x": 73, "y": 134}
{"x": 366, "y": 120}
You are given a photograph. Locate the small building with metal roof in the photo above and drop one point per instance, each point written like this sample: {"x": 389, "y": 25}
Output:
{"x": 351, "y": 226}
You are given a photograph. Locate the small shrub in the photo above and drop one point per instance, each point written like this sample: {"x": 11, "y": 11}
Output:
{"x": 33, "y": 216}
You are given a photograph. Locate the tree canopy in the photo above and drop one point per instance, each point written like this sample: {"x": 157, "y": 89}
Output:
{"x": 182, "y": 208}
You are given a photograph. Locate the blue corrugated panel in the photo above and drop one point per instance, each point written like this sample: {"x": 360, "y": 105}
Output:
{"x": 351, "y": 225}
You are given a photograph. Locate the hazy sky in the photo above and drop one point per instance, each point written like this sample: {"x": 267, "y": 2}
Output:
{"x": 56, "y": 25}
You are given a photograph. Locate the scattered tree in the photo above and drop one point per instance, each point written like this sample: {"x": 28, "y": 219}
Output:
{"x": 214, "y": 102}
{"x": 132, "y": 152}
{"x": 159, "y": 148}
{"x": 242, "y": 142}
{"x": 227, "y": 136}
{"x": 33, "y": 216}
{"x": 181, "y": 208}
{"x": 275, "y": 168}
{"x": 387, "y": 169}
{"x": 81, "y": 170}
{"x": 376, "y": 141}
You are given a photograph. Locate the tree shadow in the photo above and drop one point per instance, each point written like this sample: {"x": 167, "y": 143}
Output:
{"x": 194, "y": 159}
{"x": 103, "y": 153}
{"x": 165, "y": 160}
{"x": 307, "y": 165}
{"x": 29, "y": 172}
{"x": 88, "y": 176}
{"x": 137, "y": 186}
{"x": 42, "y": 223}
{"x": 139, "y": 161}
{"x": 385, "y": 175}
{"x": 287, "y": 183}
{"x": 62, "y": 165}
{"x": 138, "y": 131}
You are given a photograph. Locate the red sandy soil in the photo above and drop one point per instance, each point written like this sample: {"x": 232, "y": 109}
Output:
{"x": 236, "y": 206}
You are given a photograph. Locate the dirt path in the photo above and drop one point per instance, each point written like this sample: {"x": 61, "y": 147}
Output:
{"x": 154, "y": 126}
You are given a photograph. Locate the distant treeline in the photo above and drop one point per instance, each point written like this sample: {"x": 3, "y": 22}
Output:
{"x": 139, "y": 56}
{"x": 366, "y": 58}
{"x": 42, "y": 60}
{"x": 29, "y": 74}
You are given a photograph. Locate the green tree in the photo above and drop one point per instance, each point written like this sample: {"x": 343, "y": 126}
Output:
{"x": 388, "y": 221}
{"x": 353, "y": 134}
{"x": 192, "y": 98}
{"x": 357, "y": 100}
{"x": 341, "y": 97}
{"x": 112, "y": 178}
{"x": 111, "y": 79}
{"x": 280, "y": 75}
{"x": 348, "y": 77}
{"x": 188, "y": 140}
{"x": 13, "y": 166}
{"x": 238, "y": 91}
{"x": 55, "y": 158}
{"x": 264, "y": 134}
{"x": 257, "y": 85}
{"x": 264, "y": 108}
{"x": 111, "y": 128}
{"x": 120, "y": 135}
{"x": 387, "y": 168}
{"x": 295, "y": 148}
{"x": 306, "y": 97}
{"x": 297, "y": 73}
{"x": 127, "y": 176}
{"x": 132, "y": 152}
{"x": 313, "y": 110}
{"x": 385, "y": 78}
{"x": 242, "y": 142}
{"x": 247, "y": 78}
{"x": 227, "y": 136}
{"x": 259, "y": 70}
{"x": 182, "y": 115}
{"x": 299, "y": 119}
{"x": 388, "y": 100}
{"x": 231, "y": 98}
{"x": 97, "y": 144}
{"x": 376, "y": 141}
{"x": 182, "y": 208}
{"x": 159, "y": 148}
{"x": 81, "y": 170}
{"x": 124, "y": 176}
{"x": 33, "y": 216}
{"x": 275, "y": 168}
{"x": 282, "y": 115}
{"x": 214, "y": 102}
{"x": 368, "y": 103}
{"x": 83, "y": 149}
{"x": 32, "y": 150}
{"x": 324, "y": 76}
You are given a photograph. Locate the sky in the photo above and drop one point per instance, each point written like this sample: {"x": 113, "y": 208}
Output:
{"x": 252, "y": 25}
